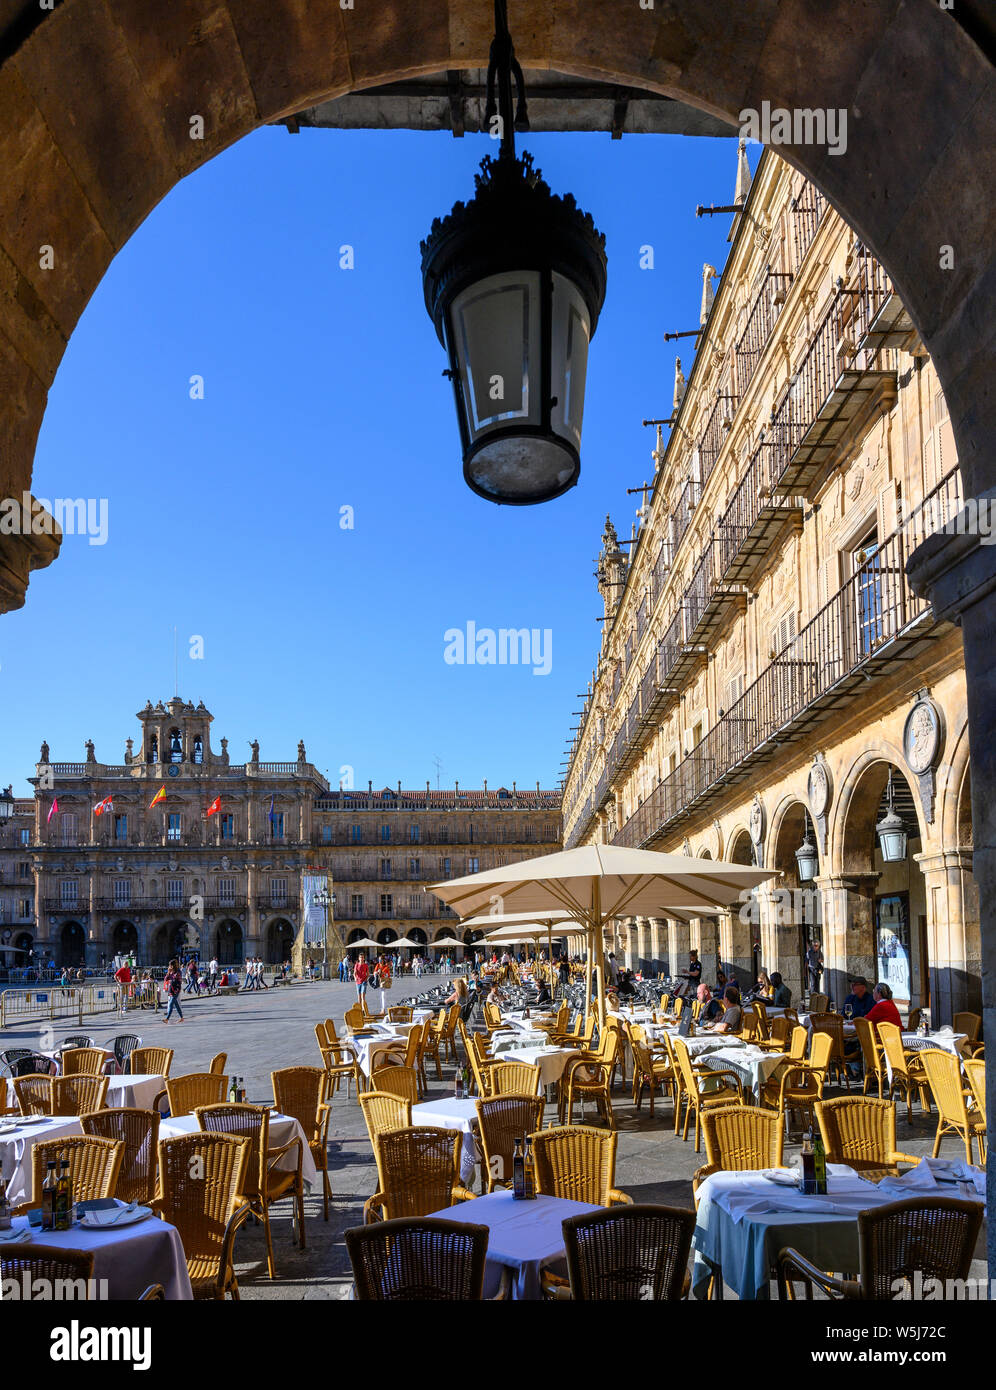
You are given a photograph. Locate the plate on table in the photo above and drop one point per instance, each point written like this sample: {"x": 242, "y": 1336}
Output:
{"x": 31, "y": 1120}
{"x": 782, "y": 1177}
{"x": 107, "y": 1220}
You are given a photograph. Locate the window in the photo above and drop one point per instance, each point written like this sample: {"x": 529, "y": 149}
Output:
{"x": 473, "y": 865}
{"x": 226, "y": 892}
{"x": 121, "y": 828}
{"x": 444, "y": 835}
{"x": 173, "y": 826}
{"x": 356, "y": 904}
{"x": 278, "y": 891}
{"x": 67, "y": 827}
{"x": 277, "y": 824}
{"x": 415, "y": 902}
{"x": 414, "y": 868}
{"x": 174, "y": 892}
{"x": 326, "y": 834}
{"x": 867, "y": 564}
{"x": 198, "y": 754}
{"x": 784, "y": 635}
{"x": 24, "y": 907}
{"x": 25, "y": 837}
{"x": 414, "y": 834}
{"x": 734, "y": 690}
{"x": 386, "y": 903}
{"x": 354, "y": 866}
{"x": 122, "y": 892}
{"x": 69, "y": 892}
{"x": 228, "y": 826}
{"x": 385, "y": 834}
{"x": 357, "y": 831}
{"x": 385, "y": 868}
{"x": 447, "y": 870}
{"x": 24, "y": 869}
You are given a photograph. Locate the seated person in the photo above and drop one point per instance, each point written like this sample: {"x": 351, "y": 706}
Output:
{"x": 722, "y": 982}
{"x": 762, "y": 989}
{"x": 860, "y": 998}
{"x": 883, "y": 1010}
{"x": 625, "y": 985}
{"x": 544, "y": 996}
{"x": 782, "y": 996}
{"x": 732, "y": 1020}
{"x": 711, "y": 1008}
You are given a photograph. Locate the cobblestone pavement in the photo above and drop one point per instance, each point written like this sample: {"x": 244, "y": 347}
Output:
{"x": 264, "y": 1031}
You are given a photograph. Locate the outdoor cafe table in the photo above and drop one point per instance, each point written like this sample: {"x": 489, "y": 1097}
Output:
{"x": 743, "y": 1220}
{"x": 129, "y": 1258}
{"x": 453, "y": 1114}
{"x": 512, "y": 1039}
{"x": 17, "y": 1145}
{"x": 134, "y": 1092}
{"x": 377, "y": 1051}
{"x": 283, "y": 1128}
{"x": 753, "y": 1065}
{"x": 551, "y": 1061}
{"x": 525, "y": 1236}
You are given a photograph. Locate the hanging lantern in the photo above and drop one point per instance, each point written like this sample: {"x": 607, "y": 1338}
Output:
{"x": 514, "y": 282}
{"x": 807, "y": 858}
{"x": 893, "y": 837}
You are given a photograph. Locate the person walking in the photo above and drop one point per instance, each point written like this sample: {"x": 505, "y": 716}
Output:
{"x": 172, "y": 985}
{"x": 361, "y": 975}
{"x": 213, "y": 975}
{"x": 814, "y": 966}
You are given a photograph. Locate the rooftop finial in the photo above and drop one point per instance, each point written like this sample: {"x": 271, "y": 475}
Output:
{"x": 744, "y": 175}
{"x": 679, "y": 385}
{"x": 709, "y": 273}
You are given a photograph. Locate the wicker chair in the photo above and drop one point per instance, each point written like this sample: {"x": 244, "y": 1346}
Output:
{"x": 432, "y": 1043}
{"x": 218, "y": 1063}
{"x": 975, "y": 1070}
{"x": 83, "y": 1061}
{"x": 871, "y": 1056}
{"x": 365, "y": 1008}
{"x": 202, "y": 1177}
{"x": 649, "y": 1072}
{"x": 740, "y": 1137}
{"x": 967, "y": 1023}
{"x": 302, "y": 1092}
{"x": 339, "y": 1061}
{"x": 834, "y": 1025}
{"x": 492, "y": 1017}
{"x": 920, "y": 1239}
{"x": 78, "y": 1095}
{"x": 34, "y": 1094}
{"x": 151, "y": 1061}
{"x": 589, "y": 1076}
{"x": 577, "y": 1162}
{"x": 579, "y": 1036}
{"x": 400, "y": 1013}
{"x": 798, "y": 1085}
{"x": 423, "y": 1260}
{"x": 907, "y": 1068}
{"x": 913, "y": 1022}
{"x": 417, "y": 1173}
{"x": 510, "y": 1079}
{"x": 264, "y": 1181}
{"x": 93, "y": 1167}
{"x": 818, "y": 1003}
{"x": 501, "y": 1119}
{"x": 779, "y": 1034}
{"x": 764, "y": 1025}
{"x": 861, "y": 1132}
{"x": 185, "y": 1093}
{"x": 123, "y": 1046}
{"x": 396, "y": 1081}
{"x": 447, "y": 1035}
{"x": 943, "y": 1072}
{"x": 696, "y": 1095}
{"x": 629, "y": 1253}
{"x": 58, "y": 1267}
{"x": 355, "y": 1020}
{"x": 383, "y": 1112}
{"x": 138, "y": 1131}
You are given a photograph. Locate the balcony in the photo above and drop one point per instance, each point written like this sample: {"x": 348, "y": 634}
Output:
{"x": 710, "y": 602}
{"x": 835, "y": 388}
{"x": 756, "y": 519}
{"x": 868, "y": 629}
{"x": 760, "y": 321}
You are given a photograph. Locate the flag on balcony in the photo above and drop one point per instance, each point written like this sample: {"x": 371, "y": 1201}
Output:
{"x": 159, "y": 796}
{"x": 103, "y": 806}
{"x": 52, "y": 809}
{"x": 215, "y": 806}
{"x": 272, "y": 817}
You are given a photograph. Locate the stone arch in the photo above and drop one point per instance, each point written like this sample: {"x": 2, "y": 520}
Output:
{"x": 279, "y": 940}
{"x": 72, "y": 944}
{"x": 229, "y": 942}
{"x": 849, "y": 821}
{"x": 794, "y": 915}
{"x": 124, "y": 939}
{"x": 90, "y": 171}
{"x": 739, "y": 929}
{"x": 952, "y": 777}
{"x": 167, "y": 940}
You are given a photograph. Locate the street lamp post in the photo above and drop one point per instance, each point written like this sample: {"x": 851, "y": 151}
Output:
{"x": 326, "y": 901}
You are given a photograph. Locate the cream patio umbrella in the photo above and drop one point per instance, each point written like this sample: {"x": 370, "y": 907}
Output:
{"x": 595, "y": 883}
{"x": 507, "y": 927}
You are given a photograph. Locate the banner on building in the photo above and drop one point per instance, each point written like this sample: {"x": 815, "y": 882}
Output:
{"x": 314, "y": 915}
{"x": 894, "y": 944}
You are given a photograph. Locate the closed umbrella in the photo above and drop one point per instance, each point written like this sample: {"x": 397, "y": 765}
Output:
{"x": 595, "y": 883}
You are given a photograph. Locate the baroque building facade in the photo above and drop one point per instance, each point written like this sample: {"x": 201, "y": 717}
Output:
{"x": 767, "y": 680}
{"x": 191, "y": 851}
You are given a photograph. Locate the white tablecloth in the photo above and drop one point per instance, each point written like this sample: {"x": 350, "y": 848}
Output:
{"x": 134, "y": 1092}
{"x": 453, "y": 1114}
{"x": 550, "y": 1060}
{"x": 511, "y": 1039}
{"x": 17, "y": 1146}
{"x": 945, "y": 1040}
{"x": 129, "y": 1258}
{"x": 752, "y": 1065}
{"x": 283, "y": 1128}
{"x": 379, "y": 1051}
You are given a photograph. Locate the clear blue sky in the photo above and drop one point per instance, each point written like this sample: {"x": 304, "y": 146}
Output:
{"x": 323, "y": 388}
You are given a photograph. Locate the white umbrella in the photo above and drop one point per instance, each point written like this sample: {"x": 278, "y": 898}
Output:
{"x": 594, "y": 883}
{"x": 447, "y": 941}
{"x": 405, "y": 941}
{"x": 364, "y": 941}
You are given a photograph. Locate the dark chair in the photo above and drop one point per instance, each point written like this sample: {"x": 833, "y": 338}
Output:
{"x": 123, "y": 1046}
{"x": 423, "y": 1259}
{"x": 12, "y": 1056}
{"x": 628, "y": 1253}
{"x": 929, "y": 1237}
{"x": 35, "y": 1063}
{"x": 75, "y": 1040}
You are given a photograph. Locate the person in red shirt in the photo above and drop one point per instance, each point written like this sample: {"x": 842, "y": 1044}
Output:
{"x": 361, "y": 975}
{"x": 883, "y": 1010}
{"x": 125, "y": 988}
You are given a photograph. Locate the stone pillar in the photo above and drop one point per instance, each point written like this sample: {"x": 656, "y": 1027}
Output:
{"x": 678, "y": 943}
{"x": 848, "y": 938}
{"x": 708, "y": 947}
{"x": 734, "y": 928}
{"x": 953, "y": 942}
{"x": 658, "y": 945}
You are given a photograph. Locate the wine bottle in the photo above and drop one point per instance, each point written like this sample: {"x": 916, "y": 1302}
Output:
{"x": 233, "y": 1090}
{"x": 529, "y": 1166}
{"x": 808, "y": 1163}
{"x": 458, "y": 1085}
{"x": 48, "y": 1198}
{"x": 518, "y": 1172}
{"x": 63, "y": 1199}
{"x": 819, "y": 1164}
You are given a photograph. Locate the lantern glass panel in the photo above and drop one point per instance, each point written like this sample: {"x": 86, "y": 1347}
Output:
{"x": 496, "y": 332}
{"x": 893, "y": 845}
{"x": 569, "y": 359}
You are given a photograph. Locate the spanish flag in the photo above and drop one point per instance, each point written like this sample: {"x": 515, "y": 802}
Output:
{"x": 159, "y": 796}
{"x": 215, "y": 806}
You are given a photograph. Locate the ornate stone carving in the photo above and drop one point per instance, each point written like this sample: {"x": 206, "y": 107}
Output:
{"x": 819, "y": 792}
{"x": 923, "y": 741}
{"x": 757, "y": 825}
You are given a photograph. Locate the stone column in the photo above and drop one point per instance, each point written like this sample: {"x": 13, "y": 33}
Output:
{"x": 953, "y": 942}
{"x": 678, "y": 943}
{"x": 708, "y": 947}
{"x": 734, "y": 928}
{"x": 658, "y": 944}
{"x": 848, "y": 938}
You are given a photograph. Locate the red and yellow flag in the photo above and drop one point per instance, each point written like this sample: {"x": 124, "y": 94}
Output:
{"x": 159, "y": 796}
{"x": 103, "y": 806}
{"x": 215, "y": 806}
